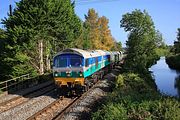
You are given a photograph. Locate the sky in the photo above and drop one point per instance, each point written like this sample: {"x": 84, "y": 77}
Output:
{"x": 165, "y": 14}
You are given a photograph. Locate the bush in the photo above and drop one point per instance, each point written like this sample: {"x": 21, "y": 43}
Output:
{"x": 173, "y": 61}
{"x": 134, "y": 99}
{"x": 165, "y": 109}
{"x": 119, "y": 81}
{"x": 111, "y": 111}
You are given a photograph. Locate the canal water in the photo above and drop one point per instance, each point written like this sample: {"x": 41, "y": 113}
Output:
{"x": 167, "y": 80}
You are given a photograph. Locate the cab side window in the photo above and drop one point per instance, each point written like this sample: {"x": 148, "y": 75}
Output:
{"x": 87, "y": 63}
{"x": 109, "y": 59}
{"x": 96, "y": 61}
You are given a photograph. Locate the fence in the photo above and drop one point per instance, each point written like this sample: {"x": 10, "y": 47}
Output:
{"x": 13, "y": 82}
{"x": 22, "y": 82}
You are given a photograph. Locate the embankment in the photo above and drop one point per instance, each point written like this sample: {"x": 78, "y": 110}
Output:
{"x": 135, "y": 97}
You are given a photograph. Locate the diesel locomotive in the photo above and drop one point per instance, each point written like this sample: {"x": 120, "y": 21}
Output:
{"x": 75, "y": 70}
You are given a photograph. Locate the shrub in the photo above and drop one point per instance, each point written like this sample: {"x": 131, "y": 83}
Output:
{"x": 119, "y": 81}
{"x": 165, "y": 109}
{"x": 173, "y": 61}
{"x": 111, "y": 111}
{"x": 135, "y": 99}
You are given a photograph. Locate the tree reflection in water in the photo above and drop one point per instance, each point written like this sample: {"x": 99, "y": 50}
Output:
{"x": 177, "y": 84}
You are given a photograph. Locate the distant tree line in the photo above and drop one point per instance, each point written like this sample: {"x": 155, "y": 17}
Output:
{"x": 173, "y": 59}
{"x": 175, "y": 49}
{"x": 38, "y": 29}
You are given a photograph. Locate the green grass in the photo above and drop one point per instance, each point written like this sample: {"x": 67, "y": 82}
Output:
{"x": 136, "y": 98}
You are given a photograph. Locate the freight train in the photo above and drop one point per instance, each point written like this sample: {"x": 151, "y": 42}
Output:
{"x": 75, "y": 70}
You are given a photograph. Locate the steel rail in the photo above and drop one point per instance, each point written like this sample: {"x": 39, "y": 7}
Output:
{"x": 12, "y": 103}
{"x": 69, "y": 107}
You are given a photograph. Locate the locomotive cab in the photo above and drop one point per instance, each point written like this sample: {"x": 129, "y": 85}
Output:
{"x": 68, "y": 69}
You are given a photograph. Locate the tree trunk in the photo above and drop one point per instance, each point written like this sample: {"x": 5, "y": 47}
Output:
{"x": 48, "y": 62}
{"x": 41, "y": 70}
{"x": 48, "y": 65}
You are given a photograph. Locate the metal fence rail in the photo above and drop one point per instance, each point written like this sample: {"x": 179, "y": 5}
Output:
{"x": 13, "y": 82}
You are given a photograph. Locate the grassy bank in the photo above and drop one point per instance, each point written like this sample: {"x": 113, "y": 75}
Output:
{"x": 136, "y": 98}
{"x": 173, "y": 61}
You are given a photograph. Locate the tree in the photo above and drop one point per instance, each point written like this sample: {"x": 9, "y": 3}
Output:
{"x": 177, "y": 43}
{"x": 141, "y": 43}
{"x": 39, "y": 28}
{"x": 3, "y": 38}
{"x": 83, "y": 42}
{"x": 117, "y": 46}
{"x": 159, "y": 40}
{"x": 4, "y": 66}
{"x": 97, "y": 34}
{"x": 91, "y": 24}
{"x": 106, "y": 38}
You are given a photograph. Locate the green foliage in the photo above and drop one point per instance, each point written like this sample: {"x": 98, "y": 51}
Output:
{"x": 52, "y": 21}
{"x": 97, "y": 34}
{"x": 21, "y": 68}
{"x": 165, "y": 109}
{"x": 4, "y": 66}
{"x": 159, "y": 39}
{"x": 175, "y": 49}
{"x": 83, "y": 42}
{"x": 141, "y": 42}
{"x": 91, "y": 25}
{"x": 162, "y": 51}
{"x": 135, "y": 96}
{"x": 112, "y": 112}
{"x": 119, "y": 81}
{"x": 135, "y": 99}
{"x": 173, "y": 61}
{"x": 135, "y": 82}
{"x": 117, "y": 46}
{"x": 177, "y": 43}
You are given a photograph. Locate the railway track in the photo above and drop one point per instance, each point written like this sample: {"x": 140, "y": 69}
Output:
{"x": 73, "y": 104}
{"x": 58, "y": 108}
{"x": 14, "y": 102}
{"x": 82, "y": 108}
{"x": 49, "y": 107}
{"x": 53, "y": 109}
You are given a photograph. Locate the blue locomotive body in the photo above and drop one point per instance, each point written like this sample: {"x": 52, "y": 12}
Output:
{"x": 72, "y": 67}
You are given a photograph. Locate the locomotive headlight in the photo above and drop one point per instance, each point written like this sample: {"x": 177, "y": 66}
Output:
{"x": 80, "y": 74}
{"x": 55, "y": 73}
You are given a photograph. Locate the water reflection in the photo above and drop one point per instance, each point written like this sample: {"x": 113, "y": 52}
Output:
{"x": 177, "y": 84}
{"x": 167, "y": 80}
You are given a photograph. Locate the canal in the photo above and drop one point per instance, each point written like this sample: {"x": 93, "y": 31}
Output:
{"x": 167, "y": 80}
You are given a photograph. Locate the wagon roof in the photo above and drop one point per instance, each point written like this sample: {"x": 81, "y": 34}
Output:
{"x": 102, "y": 52}
{"x": 80, "y": 52}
